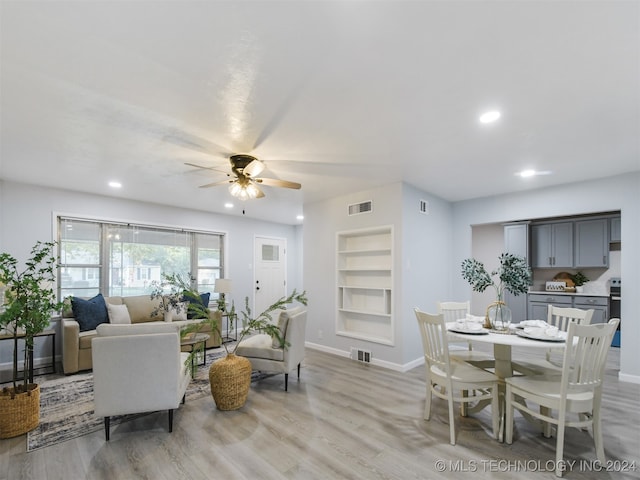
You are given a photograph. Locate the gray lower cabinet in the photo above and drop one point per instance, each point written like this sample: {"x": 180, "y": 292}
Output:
{"x": 600, "y": 307}
{"x": 539, "y": 302}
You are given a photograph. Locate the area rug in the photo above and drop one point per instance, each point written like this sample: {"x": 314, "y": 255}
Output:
{"x": 67, "y": 411}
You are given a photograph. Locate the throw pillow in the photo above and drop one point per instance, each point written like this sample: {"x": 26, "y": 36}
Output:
{"x": 182, "y": 314}
{"x": 90, "y": 313}
{"x": 204, "y": 301}
{"x": 283, "y": 321}
{"x": 118, "y": 314}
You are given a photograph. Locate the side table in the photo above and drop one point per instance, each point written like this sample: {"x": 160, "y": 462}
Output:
{"x": 196, "y": 341}
{"x": 232, "y": 325}
{"x": 52, "y": 366}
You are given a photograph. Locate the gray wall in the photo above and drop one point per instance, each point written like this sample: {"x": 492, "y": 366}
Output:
{"x": 27, "y": 214}
{"x": 615, "y": 193}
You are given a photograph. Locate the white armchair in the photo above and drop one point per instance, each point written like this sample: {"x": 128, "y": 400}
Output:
{"x": 267, "y": 356}
{"x": 138, "y": 368}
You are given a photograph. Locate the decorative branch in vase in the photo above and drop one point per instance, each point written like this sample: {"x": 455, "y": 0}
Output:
{"x": 513, "y": 275}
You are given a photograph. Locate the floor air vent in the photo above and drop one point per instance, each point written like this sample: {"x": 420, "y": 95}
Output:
{"x": 363, "y": 356}
{"x": 362, "y": 207}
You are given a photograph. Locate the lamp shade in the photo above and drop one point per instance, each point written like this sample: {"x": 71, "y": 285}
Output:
{"x": 223, "y": 285}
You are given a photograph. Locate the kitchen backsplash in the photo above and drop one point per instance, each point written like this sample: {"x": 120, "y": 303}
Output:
{"x": 598, "y": 277}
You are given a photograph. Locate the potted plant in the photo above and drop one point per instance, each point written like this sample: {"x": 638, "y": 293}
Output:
{"x": 170, "y": 292}
{"x": 230, "y": 376}
{"x": 579, "y": 279}
{"x": 513, "y": 275}
{"x": 29, "y": 301}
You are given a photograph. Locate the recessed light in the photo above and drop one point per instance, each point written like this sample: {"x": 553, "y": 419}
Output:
{"x": 300, "y": 217}
{"x": 489, "y": 117}
{"x": 228, "y": 205}
{"x": 115, "y": 184}
{"x": 532, "y": 173}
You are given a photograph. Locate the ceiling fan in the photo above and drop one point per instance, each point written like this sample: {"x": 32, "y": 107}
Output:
{"x": 245, "y": 184}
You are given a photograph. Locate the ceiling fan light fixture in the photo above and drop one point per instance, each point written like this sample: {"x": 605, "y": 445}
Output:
{"x": 244, "y": 191}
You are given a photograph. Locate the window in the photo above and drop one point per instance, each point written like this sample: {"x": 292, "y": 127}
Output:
{"x": 123, "y": 260}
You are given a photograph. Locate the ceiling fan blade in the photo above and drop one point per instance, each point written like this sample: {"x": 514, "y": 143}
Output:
{"x": 205, "y": 168}
{"x": 254, "y": 168}
{"x": 274, "y": 182}
{"x": 214, "y": 184}
{"x": 260, "y": 192}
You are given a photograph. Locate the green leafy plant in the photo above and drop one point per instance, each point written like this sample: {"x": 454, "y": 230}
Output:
{"x": 513, "y": 275}
{"x": 579, "y": 279}
{"x": 261, "y": 323}
{"x": 29, "y": 301}
{"x": 170, "y": 292}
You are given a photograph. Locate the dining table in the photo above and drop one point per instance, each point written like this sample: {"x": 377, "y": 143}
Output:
{"x": 505, "y": 365}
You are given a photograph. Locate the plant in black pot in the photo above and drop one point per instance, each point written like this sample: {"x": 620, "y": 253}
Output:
{"x": 29, "y": 301}
{"x": 513, "y": 275}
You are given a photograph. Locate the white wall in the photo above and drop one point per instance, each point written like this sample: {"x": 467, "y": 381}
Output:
{"x": 422, "y": 253}
{"x": 609, "y": 194}
{"x": 426, "y": 256}
{"x": 322, "y": 222}
{"x": 27, "y": 215}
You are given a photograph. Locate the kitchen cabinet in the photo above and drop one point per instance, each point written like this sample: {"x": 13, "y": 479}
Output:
{"x": 552, "y": 245}
{"x": 364, "y": 284}
{"x": 600, "y": 306}
{"x": 516, "y": 241}
{"x": 538, "y": 303}
{"x": 614, "y": 230}
{"x": 591, "y": 243}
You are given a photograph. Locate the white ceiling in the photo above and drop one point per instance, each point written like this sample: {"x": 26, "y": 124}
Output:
{"x": 336, "y": 95}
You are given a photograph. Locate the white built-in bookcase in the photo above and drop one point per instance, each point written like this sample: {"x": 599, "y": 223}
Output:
{"x": 364, "y": 281}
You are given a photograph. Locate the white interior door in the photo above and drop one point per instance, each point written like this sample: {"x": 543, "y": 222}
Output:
{"x": 269, "y": 272}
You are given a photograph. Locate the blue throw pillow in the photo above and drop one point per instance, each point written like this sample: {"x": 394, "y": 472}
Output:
{"x": 204, "y": 301}
{"x": 90, "y": 313}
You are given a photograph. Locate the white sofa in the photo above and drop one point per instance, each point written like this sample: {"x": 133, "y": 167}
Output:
{"x": 76, "y": 345}
{"x": 138, "y": 368}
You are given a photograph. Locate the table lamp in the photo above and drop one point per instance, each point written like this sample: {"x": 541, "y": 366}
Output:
{"x": 222, "y": 286}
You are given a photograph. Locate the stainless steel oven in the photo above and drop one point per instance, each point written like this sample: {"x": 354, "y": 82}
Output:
{"x": 615, "y": 298}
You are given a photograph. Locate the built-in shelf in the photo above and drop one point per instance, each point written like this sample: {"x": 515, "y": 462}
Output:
{"x": 364, "y": 284}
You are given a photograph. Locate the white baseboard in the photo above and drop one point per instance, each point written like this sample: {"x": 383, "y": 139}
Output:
{"x": 624, "y": 377}
{"x": 374, "y": 361}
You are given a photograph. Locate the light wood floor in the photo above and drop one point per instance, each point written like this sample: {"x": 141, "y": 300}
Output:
{"x": 341, "y": 420}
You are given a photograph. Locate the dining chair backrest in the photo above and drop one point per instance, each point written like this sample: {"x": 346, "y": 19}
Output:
{"x": 434, "y": 340}
{"x": 584, "y": 363}
{"x": 453, "y": 311}
{"x": 561, "y": 317}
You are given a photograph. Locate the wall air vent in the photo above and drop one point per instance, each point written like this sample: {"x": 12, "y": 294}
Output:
{"x": 360, "y": 355}
{"x": 424, "y": 207}
{"x": 362, "y": 207}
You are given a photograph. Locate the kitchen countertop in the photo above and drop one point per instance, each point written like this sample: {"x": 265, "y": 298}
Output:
{"x": 573, "y": 294}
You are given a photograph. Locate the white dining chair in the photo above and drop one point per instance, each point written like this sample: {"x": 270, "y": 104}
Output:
{"x": 452, "y": 311}
{"x": 444, "y": 378}
{"x": 575, "y": 395}
{"x": 559, "y": 317}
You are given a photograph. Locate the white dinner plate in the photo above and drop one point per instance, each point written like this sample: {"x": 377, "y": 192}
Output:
{"x": 469, "y": 332}
{"x": 542, "y": 338}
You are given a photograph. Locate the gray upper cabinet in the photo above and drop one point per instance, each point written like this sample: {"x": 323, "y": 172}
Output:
{"x": 552, "y": 245}
{"x": 614, "y": 225}
{"x": 516, "y": 241}
{"x": 592, "y": 243}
